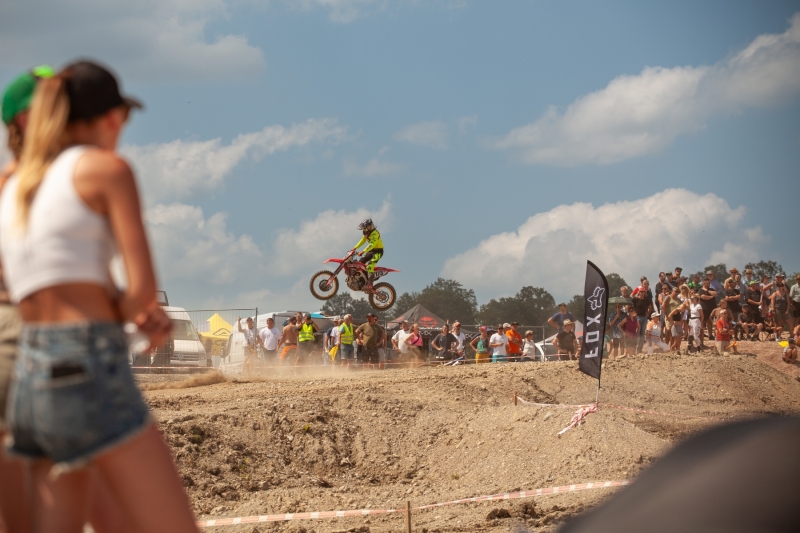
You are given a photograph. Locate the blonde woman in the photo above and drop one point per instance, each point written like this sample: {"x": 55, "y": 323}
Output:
{"x": 414, "y": 343}
{"x": 74, "y": 406}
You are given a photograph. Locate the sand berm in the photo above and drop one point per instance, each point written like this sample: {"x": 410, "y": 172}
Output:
{"x": 324, "y": 440}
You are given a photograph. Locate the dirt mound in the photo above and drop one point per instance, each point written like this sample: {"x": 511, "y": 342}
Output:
{"x": 169, "y": 382}
{"x": 373, "y": 440}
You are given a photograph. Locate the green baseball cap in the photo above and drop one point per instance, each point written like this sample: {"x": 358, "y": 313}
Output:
{"x": 19, "y": 92}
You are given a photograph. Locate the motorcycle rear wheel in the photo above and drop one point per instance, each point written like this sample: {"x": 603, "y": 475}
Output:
{"x": 324, "y": 285}
{"x": 383, "y": 296}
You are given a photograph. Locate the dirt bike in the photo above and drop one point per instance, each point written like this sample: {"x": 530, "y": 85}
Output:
{"x": 325, "y": 284}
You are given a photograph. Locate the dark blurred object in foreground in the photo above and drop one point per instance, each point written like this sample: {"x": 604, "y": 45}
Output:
{"x": 740, "y": 477}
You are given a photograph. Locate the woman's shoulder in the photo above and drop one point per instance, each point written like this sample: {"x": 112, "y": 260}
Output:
{"x": 106, "y": 163}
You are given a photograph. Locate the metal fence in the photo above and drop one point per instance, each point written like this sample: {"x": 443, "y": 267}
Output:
{"x": 199, "y": 341}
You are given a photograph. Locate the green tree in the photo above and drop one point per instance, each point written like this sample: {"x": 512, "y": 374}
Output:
{"x": 343, "y": 304}
{"x": 615, "y": 283}
{"x": 576, "y": 306}
{"x": 720, "y": 272}
{"x": 450, "y": 300}
{"x": 530, "y": 306}
{"x": 764, "y": 268}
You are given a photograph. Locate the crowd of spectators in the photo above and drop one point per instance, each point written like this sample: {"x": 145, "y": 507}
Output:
{"x": 701, "y": 312}
{"x": 704, "y": 309}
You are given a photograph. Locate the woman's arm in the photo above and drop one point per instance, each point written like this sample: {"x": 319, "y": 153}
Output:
{"x": 106, "y": 184}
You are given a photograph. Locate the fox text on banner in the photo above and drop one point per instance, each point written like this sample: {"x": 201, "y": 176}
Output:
{"x": 595, "y": 296}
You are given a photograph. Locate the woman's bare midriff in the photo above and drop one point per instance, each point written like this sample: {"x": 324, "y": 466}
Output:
{"x": 73, "y": 302}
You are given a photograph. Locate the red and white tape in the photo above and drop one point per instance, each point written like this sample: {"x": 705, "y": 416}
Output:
{"x": 366, "y": 512}
{"x": 612, "y": 406}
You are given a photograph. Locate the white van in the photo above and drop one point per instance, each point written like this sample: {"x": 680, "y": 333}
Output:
{"x": 187, "y": 349}
{"x": 233, "y": 356}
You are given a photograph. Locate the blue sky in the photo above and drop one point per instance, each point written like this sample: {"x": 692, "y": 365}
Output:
{"x": 498, "y": 143}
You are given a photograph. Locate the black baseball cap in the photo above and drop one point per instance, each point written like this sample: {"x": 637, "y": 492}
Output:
{"x": 93, "y": 90}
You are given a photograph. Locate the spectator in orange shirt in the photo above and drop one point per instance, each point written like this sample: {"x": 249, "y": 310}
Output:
{"x": 514, "y": 342}
{"x": 724, "y": 332}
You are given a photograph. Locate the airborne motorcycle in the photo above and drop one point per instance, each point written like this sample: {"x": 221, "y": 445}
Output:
{"x": 325, "y": 284}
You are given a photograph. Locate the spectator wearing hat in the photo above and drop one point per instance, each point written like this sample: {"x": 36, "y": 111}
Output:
{"x": 483, "y": 353}
{"x": 790, "y": 352}
{"x": 708, "y": 300}
{"x": 747, "y": 325}
{"x": 733, "y": 295}
{"x": 306, "y": 339}
{"x": 499, "y": 344}
{"x": 695, "y": 283}
{"x": 514, "y": 342}
{"x": 654, "y": 335}
{"x": 732, "y": 277}
{"x": 566, "y": 343}
{"x": 399, "y": 339}
{"x": 370, "y": 337}
{"x": 529, "y": 347}
{"x": 557, "y": 320}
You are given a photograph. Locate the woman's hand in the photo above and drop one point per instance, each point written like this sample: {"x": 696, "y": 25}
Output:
{"x": 154, "y": 323}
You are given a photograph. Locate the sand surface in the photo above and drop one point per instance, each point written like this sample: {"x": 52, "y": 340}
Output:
{"x": 322, "y": 440}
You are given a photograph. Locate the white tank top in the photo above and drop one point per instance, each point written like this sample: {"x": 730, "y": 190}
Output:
{"x": 64, "y": 241}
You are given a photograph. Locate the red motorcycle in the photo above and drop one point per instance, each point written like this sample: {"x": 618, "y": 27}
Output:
{"x": 325, "y": 284}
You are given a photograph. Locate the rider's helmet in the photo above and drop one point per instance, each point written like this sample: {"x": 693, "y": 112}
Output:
{"x": 366, "y": 226}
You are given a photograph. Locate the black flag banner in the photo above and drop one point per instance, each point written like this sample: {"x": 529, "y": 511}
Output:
{"x": 595, "y": 295}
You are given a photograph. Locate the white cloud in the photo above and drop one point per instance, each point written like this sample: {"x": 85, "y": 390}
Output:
{"x": 633, "y": 238}
{"x": 330, "y": 234}
{"x": 346, "y": 11}
{"x": 467, "y": 123}
{"x": 178, "y": 169}
{"x": 432, "y": 134}
{"x": 158, "y": 40}
{"x": 641, "y": 114}
{"x": 374, "y": 167}
{"x": 189, "y": 246}
{"x": 342, "y": 11}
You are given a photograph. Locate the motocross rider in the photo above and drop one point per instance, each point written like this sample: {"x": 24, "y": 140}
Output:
{"x": 374, "y": 250}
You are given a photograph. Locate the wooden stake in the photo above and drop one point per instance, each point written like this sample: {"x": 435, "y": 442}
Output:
{"x": 515, "y": 398}
{"x": 408, "y": 517}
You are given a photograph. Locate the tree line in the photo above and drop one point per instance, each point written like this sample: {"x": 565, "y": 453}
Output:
{"x": 531, "y": 306}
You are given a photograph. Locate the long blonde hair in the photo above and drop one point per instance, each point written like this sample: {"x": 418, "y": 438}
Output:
{"x": 45, "y": 138}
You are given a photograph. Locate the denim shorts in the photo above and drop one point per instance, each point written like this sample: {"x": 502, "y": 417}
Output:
{"x": 73, "y": 394}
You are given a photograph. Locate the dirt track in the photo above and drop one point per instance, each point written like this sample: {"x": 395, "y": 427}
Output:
{"x": 373, "y": 440}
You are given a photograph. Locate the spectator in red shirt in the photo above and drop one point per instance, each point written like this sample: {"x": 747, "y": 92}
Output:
{"x": 514, "y": 342}
{"x": 724, "y": 332}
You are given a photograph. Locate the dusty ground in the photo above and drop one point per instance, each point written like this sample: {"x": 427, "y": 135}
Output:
{"x": 362, "y": 440}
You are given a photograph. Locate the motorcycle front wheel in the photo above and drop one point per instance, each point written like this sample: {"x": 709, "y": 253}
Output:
{"x": 383, "y": 296}
{"x": 324, "y": 285}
